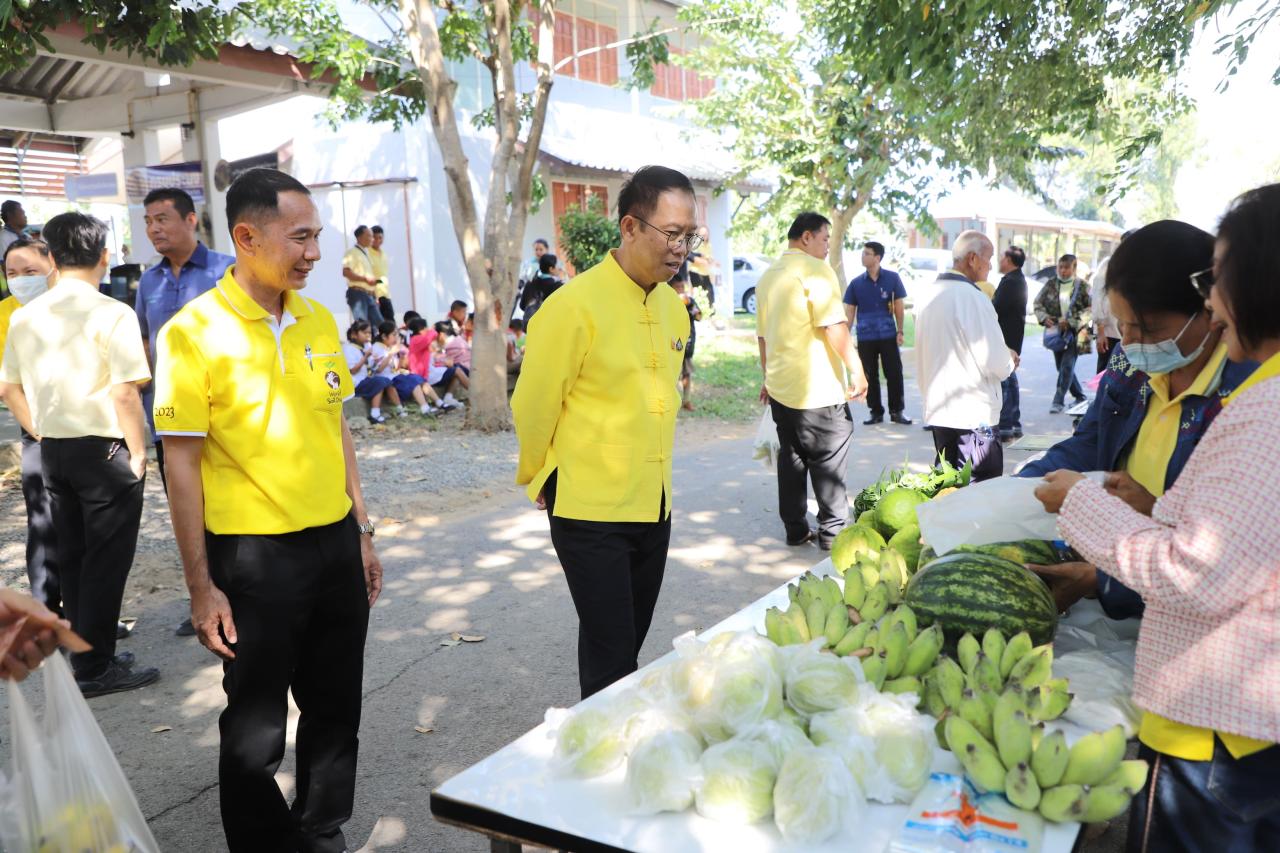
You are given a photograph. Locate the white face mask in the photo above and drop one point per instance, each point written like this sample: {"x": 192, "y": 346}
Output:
{"x": 28, "y": 287}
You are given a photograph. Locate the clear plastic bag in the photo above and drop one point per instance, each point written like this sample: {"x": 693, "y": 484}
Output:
{"x": 663, "y": 771}
{"x": 815, "y": 797}
{"x": 765, "y": 447}
{"x": 66, "y": 791}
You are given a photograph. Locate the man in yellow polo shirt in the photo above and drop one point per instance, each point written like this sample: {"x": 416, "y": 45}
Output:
{"x": 270, "y": 522}
{"x": 378, "y": 260}
{"x": 595, "y": 414}
{"x": 806, "y": 353}
{"x": 357, "y": 269}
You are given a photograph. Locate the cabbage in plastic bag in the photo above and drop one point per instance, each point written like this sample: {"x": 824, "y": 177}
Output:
{"x": 814, "y": 796}
{"x": 589, "y": 742}
{"x": 780, "y": 737}
{"x": 737, "y": 782}
{"x": 662, "y": 773}
{"x": 728, "y": 684}
{"x": 819, "y": 682}
{"x": 885, "y": 743}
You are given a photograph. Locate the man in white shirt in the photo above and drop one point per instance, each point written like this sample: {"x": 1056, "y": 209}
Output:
{"x": 1103, "y": 320}
{"x": 961, "y": 360}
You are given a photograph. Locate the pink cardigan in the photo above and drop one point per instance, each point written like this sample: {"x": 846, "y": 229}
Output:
{"x": 1207, "y": 564}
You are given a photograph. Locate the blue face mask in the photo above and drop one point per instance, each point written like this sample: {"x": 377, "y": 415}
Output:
{"x": 1164, "y": 357}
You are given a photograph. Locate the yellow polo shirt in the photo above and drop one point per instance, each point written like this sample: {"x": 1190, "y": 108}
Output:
{"x": 267, "y": 398}
{"x": 1148, "y": 463}
{"x": 358, "y": 260}
{"x": 67, "y": 348}
{"x": 987, "y": 287}
{"x": 596, "y": 399}
{"x": 795, "y": 299}
{"x": 7, "y": 306}
{"x": 378, "y": 260}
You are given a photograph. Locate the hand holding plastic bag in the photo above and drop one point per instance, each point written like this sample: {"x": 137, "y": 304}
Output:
{"x": 66, "y": 792}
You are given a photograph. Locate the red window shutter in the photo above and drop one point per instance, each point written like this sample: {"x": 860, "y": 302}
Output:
{"x": 692, "y": 87}
{"x": 609, "y": 57}
{"x": 564, "y": 44}
{"x": 588, "y": 65}
{"x": 601, "y": 192}
{"x": 565, "y": 197}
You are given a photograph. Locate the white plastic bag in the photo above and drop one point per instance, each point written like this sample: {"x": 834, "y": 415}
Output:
{"x": 663, "y": 771}
{"x": 765, "y": 447}
{"x": 1003, "y": 509}
{"x": 66, "y": 790}
{"x": 815, "y": 797}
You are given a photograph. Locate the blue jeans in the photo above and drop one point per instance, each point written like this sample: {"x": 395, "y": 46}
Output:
{"x": 1225, "y": 804}
{"x": 1066, "y": 361}
{"x": 1011, "y": 404}
{"x": 363, "y": 306}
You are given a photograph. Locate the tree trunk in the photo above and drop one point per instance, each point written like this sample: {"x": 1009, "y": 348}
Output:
{"x": 840, "y": 219}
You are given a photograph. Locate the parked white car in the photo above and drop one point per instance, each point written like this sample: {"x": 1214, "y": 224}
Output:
{"x": 747, "y": 270}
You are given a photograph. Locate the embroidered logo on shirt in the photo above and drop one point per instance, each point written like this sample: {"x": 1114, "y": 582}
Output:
{"x": 331, "y": 379}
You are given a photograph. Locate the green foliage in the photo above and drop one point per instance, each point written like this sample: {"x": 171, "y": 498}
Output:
{"x": 588, "y": 235}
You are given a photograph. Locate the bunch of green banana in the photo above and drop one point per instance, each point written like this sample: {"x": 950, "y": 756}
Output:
{"x": 986, "y": 669}
{"x": 1089, "y": 782}
{"x": 887, "y": 566}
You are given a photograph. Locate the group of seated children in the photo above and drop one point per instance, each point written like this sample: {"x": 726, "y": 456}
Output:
{"x": 385, "y": 368}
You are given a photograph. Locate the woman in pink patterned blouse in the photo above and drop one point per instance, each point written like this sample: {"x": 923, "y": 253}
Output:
{"x": 1207, "y": 563}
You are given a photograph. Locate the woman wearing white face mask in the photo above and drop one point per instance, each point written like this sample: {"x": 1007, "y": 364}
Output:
{"x": 29, "y": 270}
{"x": 1156, "y": 399}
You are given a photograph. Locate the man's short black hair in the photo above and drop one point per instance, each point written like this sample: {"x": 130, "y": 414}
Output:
{"x": 181, "y": 200}
{"x": 1249, "y": 270}
{"x": 377, "y": 229}
{"x": 806, "y": 222}
{"x": 360, "y": 229}
{"x": 1152, "y": 269}
{"x": 639, "y": 195}
{"x": 7, "y": 209}
{"x": 547, "y": 262}
{"x": 257, "y": 192}
{"x": 1016, "y": 256}
{"x": 456, "y": 304}
{"x": 1067, "y": 259}
{"x": 25, "y": 243}
{"x": 76, "y": 240}
{"x": 877, "y": 248}
{"x": 543, "y": 241}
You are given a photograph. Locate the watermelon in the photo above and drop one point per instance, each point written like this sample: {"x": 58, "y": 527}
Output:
{"x": 853, "y": 542}
{"x": 1040, "y": 552}
{"x": 968, "y": 592}
{"x": 927, "y": 555}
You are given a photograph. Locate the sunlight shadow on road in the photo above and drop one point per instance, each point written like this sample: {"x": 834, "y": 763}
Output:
{"x": 387, "y": 832}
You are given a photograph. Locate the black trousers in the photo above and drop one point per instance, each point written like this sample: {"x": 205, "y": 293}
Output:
{"x": 981, "y": 447}
{"x": 96, "y": 505}
{"x": 387, "y": 309}
{"x": 614, "y": 570}
{"x": 813, "y": 446}
{"x": 886, "y": 353}
{"x": 301, "y": 612}
{"x": 42, "y": 538}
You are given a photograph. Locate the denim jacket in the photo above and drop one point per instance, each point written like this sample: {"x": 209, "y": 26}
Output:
{"x": 1109, "y": 429}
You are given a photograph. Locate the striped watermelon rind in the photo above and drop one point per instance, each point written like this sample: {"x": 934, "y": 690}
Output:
{"x": 968, "y": 592}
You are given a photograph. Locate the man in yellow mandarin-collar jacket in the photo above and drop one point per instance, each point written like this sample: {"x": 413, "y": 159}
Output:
{"x": 595, "y": 414}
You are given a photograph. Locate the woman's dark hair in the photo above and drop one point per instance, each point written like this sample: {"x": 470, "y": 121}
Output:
{"x": 1249, "y": 269}
{"x": 639, "y": 195}
{"x": 76, "y": 240}
{"x": 386, "y": 327}
{"x": 25, "y": 243}
{"x": 806, "y": 222}
{"x": 547, "y": 263}
{"x": 416, "y": 326}
{"x": 357, "y": 327}
{"x": 257, "y": 192}
{"x": 1152, "y": 268}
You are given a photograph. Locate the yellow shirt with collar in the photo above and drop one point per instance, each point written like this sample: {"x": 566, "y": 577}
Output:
{"x": 596, "y": 400}
{"x": 1148, "y": 463}
{"x": 7, "y": 306}
{"x": 358, "y": 260}
{"x": 67, "y": 348}
{"x": 796, "y": 298}
{"x": 267, "y": 398}
{"x": 378, "y": 262}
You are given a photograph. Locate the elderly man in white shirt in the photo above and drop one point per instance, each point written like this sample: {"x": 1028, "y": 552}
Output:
{"x": 961, "y": 359}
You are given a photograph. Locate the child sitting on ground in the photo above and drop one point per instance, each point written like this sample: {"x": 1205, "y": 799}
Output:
{"x": 421, "y": 336}
{"x": 389, "y": 354}
{"x": 358, "y": 351}
{"x": 444, "y": 371}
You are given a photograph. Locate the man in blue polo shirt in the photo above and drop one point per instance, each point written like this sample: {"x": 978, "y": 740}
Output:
{"x": 873, "y": 303}
{"x": 188, "y": 270}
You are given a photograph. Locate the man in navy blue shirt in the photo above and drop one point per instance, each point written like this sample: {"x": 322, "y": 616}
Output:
{"x": 187, "y": 270}
{"x": 873, "y": 303}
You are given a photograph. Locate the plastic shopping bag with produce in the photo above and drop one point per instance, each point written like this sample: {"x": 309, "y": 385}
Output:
{"x": 65, "y": 790}
{"x": 766, "y": 444}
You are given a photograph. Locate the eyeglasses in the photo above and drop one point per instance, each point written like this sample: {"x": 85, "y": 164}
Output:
{"x": 692, "y": 242}
{"x": 1203, "y": 282}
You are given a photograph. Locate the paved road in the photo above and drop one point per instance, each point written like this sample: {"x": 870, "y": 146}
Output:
{"x": 489, "y": 571}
